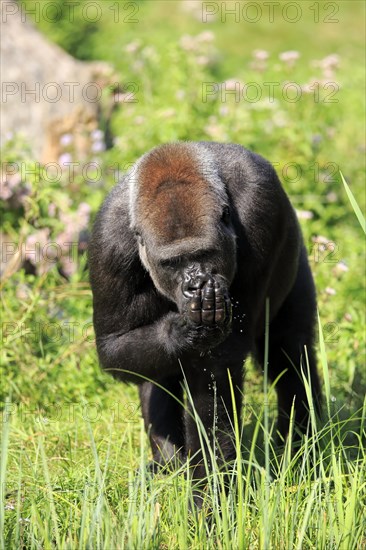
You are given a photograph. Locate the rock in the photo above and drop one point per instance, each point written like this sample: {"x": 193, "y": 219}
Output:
{"x": 46, "y": 93}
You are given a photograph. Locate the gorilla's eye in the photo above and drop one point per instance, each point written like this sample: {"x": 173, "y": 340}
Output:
{"x": 171, "y": 263}
{"x": 225, "y": 217}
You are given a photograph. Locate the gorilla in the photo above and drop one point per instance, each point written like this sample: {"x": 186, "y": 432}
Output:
{"x": 186, "y": 251}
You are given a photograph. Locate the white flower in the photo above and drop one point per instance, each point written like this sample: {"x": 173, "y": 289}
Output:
{"x": 232, "y": 85}
{"x": 341, "y": 267}
{"x": 5, "y": 192}
{"x": 206, "y": 36}
{"x": 187, "y": 42}
{"x": 51, "y": 209}
{"x": 260, "y": 55}
{"x": 97, "y": 135}
{"x": 304, "y": 214}
{"x": 66, "y": 139}
{"x": 330, "y": 62}
{"x": 289, "y": 57}
{"x": 132, "y": 47}
{"x": 331, "y": 291}
{"x": 98, "y": 147}
{"x": 202, "y": 60}
{"x": 65, "y": 158}
{"x": 320, "y": 239}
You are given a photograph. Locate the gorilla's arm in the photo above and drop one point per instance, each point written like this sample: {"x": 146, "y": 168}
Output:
{"x": 137, "y": 331}
{"x": 141, "y": 353}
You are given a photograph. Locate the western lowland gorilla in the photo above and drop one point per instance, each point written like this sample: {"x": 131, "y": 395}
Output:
{"x": 185, "y": 251}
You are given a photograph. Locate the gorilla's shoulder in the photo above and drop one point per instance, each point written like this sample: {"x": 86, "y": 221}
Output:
{"x": 233, "y": 152}
{"x": 115, "y": 205}
{"x": 238, "y": 165}
{"x": 112, "y": 224}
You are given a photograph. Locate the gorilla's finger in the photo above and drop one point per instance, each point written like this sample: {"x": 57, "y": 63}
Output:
{"x": 220, "y": 313}
{"x": 228, "y": 307}
{"x": 194, "y": 307}
{"x": 208, "y": 303}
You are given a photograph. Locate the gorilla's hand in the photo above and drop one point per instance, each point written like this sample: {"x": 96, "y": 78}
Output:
{"x": 204, "y": 322}
{"x": 209, "y": 305}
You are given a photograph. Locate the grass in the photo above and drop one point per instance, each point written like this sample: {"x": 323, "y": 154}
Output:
{"x": 86, "y": 487}
{"x": 73, "y": 476}
{"x": 73, "y": 447}
{"x": 355, "y": 206}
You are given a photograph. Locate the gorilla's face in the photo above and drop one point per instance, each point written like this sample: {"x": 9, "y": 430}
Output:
{"x": 194, "y": 268}
{"x": 180, "y": 212}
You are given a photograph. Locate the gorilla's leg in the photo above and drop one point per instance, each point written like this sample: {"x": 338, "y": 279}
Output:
{"x": 163, "y": 417}
{"x": 289, "y": 332}
{"x": 209, "y": 389}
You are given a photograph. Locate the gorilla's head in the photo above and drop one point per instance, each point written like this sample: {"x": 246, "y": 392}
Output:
{"x": 181, "y": 215}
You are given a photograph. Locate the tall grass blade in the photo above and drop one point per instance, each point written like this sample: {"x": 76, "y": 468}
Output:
{"x": 4, "y": 460}
{"x": 267, "y": 533}
{"x": 239, "y": 502}
{"x": 356, "y": 208}
{"x": 324, "y": 364}
{"x": 49, "y": 491}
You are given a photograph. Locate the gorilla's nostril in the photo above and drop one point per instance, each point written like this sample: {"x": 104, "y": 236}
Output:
{"x": 189, "y": 287}
{"x": 205, "y": 278}
{"x": 195, "y": 285}
{"x": 195, "y": 278}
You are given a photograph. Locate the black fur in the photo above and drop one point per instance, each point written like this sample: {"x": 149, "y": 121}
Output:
{"x": 256, "y": 253}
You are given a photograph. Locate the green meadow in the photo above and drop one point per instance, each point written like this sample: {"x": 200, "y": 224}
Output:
{"x": 285, "y": 80}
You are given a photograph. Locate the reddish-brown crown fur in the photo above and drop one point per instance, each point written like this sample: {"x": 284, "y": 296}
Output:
{"x": 173, "y": 194}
